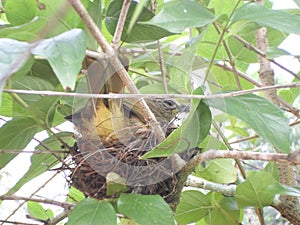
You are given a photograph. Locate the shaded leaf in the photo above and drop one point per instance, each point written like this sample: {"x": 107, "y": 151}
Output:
{"x": 93, "y": 212}
{"x": 16, "y": 134}
{"x": 261, "y": 115}
{"x": 65, "y": 54}
{"x": 74, "y": 195}
{"x": 256, "y": 190}
{"x": 178, "y": 15}
{"x": 146, "y": 209}
{"x": 193, "y": 206}
{"x": 140, "y": 32}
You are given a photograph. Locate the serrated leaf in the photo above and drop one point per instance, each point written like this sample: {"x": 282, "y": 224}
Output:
{"x": 16, "y": 134}
{"x": 41, "y": 163}
{"x": 219, "y": 171}
{"x": 256, "y": 190}
{"x": 193, "y": 206}
{"x": 178, "y": 15}
{"x": 37, "y": 211}
{"x": 65, "y": 54}
{"x": 146, "y": 209}
{"x": 93, "y": 212}
{"x": 140, "y": 32}
{"x": 261, "y": 115}
{"x": 262, "y": 16}
{"x": 20, "y": 11}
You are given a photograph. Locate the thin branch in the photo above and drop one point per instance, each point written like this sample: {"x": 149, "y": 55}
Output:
{"x": 32, "y": 194}
{"x": 16, "y": 222}
{"x": 231, "y": 60}
{"x": 45, "y": 201}
{"x": 121, "y": 22}
{"x": 138, "y": 96}
{"x": 197, "y": 182}
{"x": 162, "y": 67}
{"x": 292, "y": 109}
{"x": 262, "y": 54}
{"x": 292, "y": 158}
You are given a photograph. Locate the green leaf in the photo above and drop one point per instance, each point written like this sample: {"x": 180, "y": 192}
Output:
{"x": 31, "y": 83}
{"x": 191, "y": 133}
{"x": 25, "y": 32}
{"x": 256, "y": 190}
{"x": 75, "y": 195}
{"x": 65, "y": 54}
{"x": 115, "y": 184}
{"x": 15, "y": 135}
{"x": 276, "y": 52}
{"x": 37, "y": 211}
{"x": 146, "y": 209}
{"x": 20, "y": 11}
{"x": 297, "y": 2}
{"x": 13, "y": 55}
{"x": 224, "y": 210}
{"x": 261, "y": 115}
{"x": 140, "y": 32}
{"x": 93, "y": 212}
{"x": 262, "y": 16}
{"x": 178, "y": 15}
{"x": 193, "y": 206}
{"x": 218, "y": 170}
{"x": 41, "y": 163}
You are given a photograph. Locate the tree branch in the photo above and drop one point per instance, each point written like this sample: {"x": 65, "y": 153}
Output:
{"x": 121, "y": 22}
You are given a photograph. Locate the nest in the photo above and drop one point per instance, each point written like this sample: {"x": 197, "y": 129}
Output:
{"x": 95, "y": 162}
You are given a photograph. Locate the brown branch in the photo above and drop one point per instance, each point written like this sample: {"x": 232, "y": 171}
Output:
{"x": 45, "y": 201}
{"x": 16, "y": 222}
{"x": 262, "y": 54}
{"x": 162, "y": 67}
{"x": 120, "y": 24}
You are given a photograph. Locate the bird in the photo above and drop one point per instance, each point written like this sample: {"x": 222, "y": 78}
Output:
{"x": 115, "y": 120}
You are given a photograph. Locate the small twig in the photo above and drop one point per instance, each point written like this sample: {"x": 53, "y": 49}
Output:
{"x": 231, "y": 60}
{"x": 45, "y": 201}
{"x": 32, "y": 194}
{"x": 5, "y": 151}
{"x": 138, "y": 96}
{"x": 162, "y": 67}
{"x": 120, "y": 24}
{"x": 16, "y": 222}
{"x": 261, "y": 53}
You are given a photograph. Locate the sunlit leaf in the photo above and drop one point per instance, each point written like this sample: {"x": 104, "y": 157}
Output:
{"x": 36, "y": 211}
{"x": 193, "y": 206}
{"x": 93, "y": 212}
{"x": 256, "y": 190}
{"x": 146, "y": 209}
{"x": 178, "y": 15}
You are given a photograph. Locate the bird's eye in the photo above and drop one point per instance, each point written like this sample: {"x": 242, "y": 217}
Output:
{"x": 169, "y": 104}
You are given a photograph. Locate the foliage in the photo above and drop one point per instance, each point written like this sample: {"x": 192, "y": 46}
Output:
{"x": 43, "y": 44}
